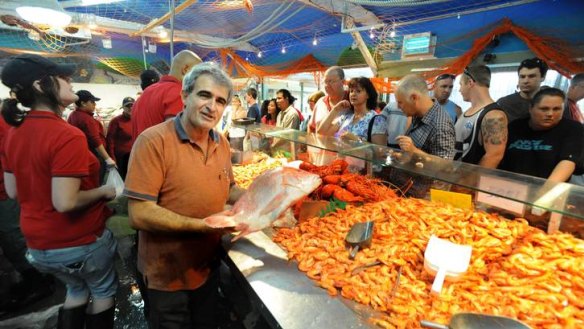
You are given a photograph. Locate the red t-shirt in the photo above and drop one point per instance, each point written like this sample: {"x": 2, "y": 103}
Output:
{"x": 159, "y": 102}
{"x": 3, "y": 130}
{"x": 119, "y": 136}
{"x": 43, "y": 147}
{"x": 92, "y": 129}
{"x": 268, "y": 122}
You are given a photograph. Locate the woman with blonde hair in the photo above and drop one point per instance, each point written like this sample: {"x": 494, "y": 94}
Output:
{"x": 234, "y": 134}
{"x": 312, "y": 99}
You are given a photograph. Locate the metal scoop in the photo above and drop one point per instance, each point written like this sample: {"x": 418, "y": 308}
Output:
{"x": 477, "y": 321}
{"x": 359, "y": 236}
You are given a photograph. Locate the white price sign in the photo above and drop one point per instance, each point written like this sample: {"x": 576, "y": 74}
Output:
{"x": 502, "y": 187}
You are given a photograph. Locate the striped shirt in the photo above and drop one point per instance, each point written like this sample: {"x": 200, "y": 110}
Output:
{"x": 434, "y": 133}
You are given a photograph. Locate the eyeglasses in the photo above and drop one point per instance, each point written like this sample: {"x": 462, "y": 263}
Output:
{"x": 446, "y": 76}
{"x": 330, "y": 82}
{"x": 467, "y": 72}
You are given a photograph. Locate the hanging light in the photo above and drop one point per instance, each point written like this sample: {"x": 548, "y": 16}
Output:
{"x": 283, "y": 50}
{"x": 314, "y": 42}
{"x": 34, "y": 35}
{"x": 371, "y": 35}
{"x": 48, "y": 12}
{"x": 259, "y": 54}
{"x": 392, "y": 34}
{"x": 162, "y": 34}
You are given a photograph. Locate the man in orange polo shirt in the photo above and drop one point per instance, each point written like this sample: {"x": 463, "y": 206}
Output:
{"x": 162, "y": 101}
{"x": 179, "y": 173}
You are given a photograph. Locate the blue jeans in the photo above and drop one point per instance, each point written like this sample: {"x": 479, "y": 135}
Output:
{"x": 87, "y": 269}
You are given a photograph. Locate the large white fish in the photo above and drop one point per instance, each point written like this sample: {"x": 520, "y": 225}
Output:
{"x": 266, "y": 199}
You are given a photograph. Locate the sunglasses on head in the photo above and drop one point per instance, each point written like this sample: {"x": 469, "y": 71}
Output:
{"x": 446, "y": 76}
{"x": 531, "y": 62}
{"x": 467, "y": 73}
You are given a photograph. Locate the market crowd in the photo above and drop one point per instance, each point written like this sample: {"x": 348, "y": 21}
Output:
{"x": 173, "y": 145}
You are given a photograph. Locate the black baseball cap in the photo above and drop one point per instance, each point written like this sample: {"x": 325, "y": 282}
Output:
{"x": 22, "y": 70}
{"x": 148, "y": 77}
{"x": 86, "y": 95}
{"x": 128, "y": 101}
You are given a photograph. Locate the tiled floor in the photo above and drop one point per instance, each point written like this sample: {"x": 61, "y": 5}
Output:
{"x": 235, "y": 309}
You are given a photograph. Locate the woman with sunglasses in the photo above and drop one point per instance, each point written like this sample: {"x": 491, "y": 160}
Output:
{"x": 50, "y": 171}
{"x": 351, "y": 119}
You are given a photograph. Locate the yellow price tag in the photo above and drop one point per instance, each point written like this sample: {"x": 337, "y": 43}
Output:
{"x": 459, "y": 200}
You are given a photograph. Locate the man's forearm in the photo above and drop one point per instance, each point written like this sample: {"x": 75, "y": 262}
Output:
{"x": 149, "y": 216}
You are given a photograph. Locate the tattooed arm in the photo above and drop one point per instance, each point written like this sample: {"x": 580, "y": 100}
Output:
{"x": 494, "y": 138}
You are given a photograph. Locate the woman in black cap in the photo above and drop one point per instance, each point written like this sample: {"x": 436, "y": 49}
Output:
{"x": 83, "y": 119}
{"x": 49, "y": 169}
{"x": 119, "y": 136}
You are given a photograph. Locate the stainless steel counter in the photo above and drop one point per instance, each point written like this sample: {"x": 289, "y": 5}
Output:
{"x": 289, "y": 299}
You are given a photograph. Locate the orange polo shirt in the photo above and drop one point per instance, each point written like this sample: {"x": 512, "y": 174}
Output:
{"x": 166, "y": 167}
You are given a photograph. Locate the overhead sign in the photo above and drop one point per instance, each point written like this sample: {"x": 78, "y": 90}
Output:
{"x": 418, "y": 45}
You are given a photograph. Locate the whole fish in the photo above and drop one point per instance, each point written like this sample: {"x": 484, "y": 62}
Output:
{"x": 266, "y": 200}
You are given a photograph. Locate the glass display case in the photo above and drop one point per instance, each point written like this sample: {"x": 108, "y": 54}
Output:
{"x": 287, "y": 298}
{"x": 547, "y": 205}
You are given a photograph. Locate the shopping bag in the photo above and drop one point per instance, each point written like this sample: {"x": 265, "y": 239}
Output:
{"x": 114, "y": 179}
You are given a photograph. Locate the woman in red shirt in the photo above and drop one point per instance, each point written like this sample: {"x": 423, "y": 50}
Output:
{"x": 50, "y": 171}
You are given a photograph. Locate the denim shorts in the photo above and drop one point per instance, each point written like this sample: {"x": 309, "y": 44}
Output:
{"x": 87, "y": 269}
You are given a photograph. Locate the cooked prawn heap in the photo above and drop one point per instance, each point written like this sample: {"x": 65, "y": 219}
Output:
{"x": 244, "y": 175}
{"x": 516, "y": 270}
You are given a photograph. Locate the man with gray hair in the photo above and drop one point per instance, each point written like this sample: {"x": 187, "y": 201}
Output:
{"x": 431, "y": 131}
{"x": 334, "y": 79}
{"x": 179, "y": 173}
{"x": 161, "y": 100}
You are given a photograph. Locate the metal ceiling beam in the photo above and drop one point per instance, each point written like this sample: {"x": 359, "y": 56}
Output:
{"x": 165, "y": 17}
{"x": 362, "y": 47}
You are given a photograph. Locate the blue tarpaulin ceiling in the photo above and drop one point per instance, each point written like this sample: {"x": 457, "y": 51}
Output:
{"x": 282, "y": 31}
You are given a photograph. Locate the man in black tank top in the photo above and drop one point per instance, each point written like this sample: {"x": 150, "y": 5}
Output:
{"x": 481, "y": 132}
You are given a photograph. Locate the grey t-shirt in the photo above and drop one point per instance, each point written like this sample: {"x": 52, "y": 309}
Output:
{"x": 515, "y": 106}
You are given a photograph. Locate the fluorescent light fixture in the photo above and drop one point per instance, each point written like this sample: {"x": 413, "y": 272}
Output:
{"x": 44, "y": 12}
{"x": 427, "y": 69}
